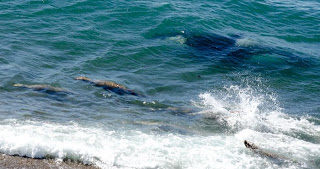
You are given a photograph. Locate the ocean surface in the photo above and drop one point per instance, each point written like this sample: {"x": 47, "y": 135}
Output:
{"x": 210, "y": 74}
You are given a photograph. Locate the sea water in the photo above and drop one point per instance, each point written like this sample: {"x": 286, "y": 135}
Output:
{"x": 214, "y": 73}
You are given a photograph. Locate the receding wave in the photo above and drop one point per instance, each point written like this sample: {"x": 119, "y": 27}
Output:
{"x": 136, "y": 149}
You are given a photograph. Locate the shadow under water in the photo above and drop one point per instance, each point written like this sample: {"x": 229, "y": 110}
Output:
{"x": 231, "y": 50}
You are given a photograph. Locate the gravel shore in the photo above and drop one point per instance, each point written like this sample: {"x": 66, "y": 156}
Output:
{"x": 10, "y": 162}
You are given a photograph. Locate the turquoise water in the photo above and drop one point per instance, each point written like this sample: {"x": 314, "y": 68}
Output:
{"x": 213, "y": 73}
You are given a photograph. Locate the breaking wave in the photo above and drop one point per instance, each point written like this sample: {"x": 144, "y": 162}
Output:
{"x": 253, "y": 114}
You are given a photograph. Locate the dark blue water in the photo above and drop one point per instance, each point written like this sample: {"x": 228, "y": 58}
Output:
{"x": 208, "y": 75}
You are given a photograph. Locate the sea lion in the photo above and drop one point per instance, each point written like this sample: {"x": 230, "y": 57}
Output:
{"x": 110, "y": 86}
{"x": 228, "y": 49}
{"x": 45, "y": 88}
{"x": 250, "y": 145}
{"x": 224, "y": 48}
{"x": 258, "y": 150}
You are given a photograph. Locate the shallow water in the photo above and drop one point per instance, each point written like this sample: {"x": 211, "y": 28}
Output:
{"x": 213, "y": 73}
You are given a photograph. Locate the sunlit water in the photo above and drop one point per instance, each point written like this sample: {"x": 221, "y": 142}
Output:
{"x": 213, "y": 73}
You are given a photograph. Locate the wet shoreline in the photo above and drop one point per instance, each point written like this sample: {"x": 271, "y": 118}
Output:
{"x": 7, "y": 161}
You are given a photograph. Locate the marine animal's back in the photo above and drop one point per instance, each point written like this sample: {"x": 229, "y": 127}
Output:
{"x": 210, "y": 42}
{"x": 258, "y": 150}
{"x": 38, "y": 87}
{"x": 110, "y": 86}
{"x": 214, "y": 46}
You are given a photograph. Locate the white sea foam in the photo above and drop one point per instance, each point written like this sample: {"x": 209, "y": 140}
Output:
{"x": 179, "y": 39}
{"x": 250, "y": 114}
{"x": 131, "y": 148}
{"x": 256, "y": 116}
{"x": 247, "y": 108}
{"x": 246, "y": 42}
{"x": 294, "y": 148}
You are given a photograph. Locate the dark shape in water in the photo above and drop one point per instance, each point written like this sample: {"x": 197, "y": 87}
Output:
{"x": 209, "y": 42}
{"x": 228, "y": 50}
{"x": 44, "y": 88}
{"x": 250, "y": 145}
{"x": 217, "y": 46}
{"x": 258, "y": 150}
{"x": 110, "y": 86}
